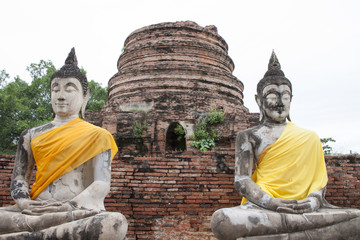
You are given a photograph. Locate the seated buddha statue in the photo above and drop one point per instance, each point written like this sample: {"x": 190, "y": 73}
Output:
{"x": 73, "y": 162}
{"x": 280, "y": 171}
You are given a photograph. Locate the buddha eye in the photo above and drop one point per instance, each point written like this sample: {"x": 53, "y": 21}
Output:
{"x": 55, "y": 89}
{"x": 271, "y": 97}
{"x": 286, "y": 97}
{"x": 70, "y": 88}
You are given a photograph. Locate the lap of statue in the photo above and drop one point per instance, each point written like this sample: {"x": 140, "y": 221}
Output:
{"x": 55, "y": 212}
{"x": 249, "y": 221}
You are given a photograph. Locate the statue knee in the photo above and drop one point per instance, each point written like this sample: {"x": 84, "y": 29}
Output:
{"x": 225, "y": 228}
{"x": 218, "y": 224}
{"x": 107, "y": 225}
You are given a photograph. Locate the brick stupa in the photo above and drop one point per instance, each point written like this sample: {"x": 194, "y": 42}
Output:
{"x": 171, "y": 73}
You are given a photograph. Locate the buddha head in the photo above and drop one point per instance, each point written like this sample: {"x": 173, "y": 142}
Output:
{"x": 69, "y": 88}
{"x": 274, "y": 93}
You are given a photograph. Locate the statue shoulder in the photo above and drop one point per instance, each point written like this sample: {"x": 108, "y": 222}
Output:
{"x": 35, "y": 131}
{"x": 101, "y": 132}
{"x": 24, "y": 152}
{"x": 249, "y": 135}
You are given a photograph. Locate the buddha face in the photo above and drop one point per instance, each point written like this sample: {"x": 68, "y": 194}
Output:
{"x": 67, "y": 96}
{"x": 275, "y": 102}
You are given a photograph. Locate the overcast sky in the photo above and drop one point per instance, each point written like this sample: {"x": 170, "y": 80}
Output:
{"x": 317, "y": 44}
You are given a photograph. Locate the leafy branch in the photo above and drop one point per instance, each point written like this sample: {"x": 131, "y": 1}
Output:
{"x": 205, "y": 137}
{"x": 139, "y": 128}
{"x": 327, "y": 149}
{"x": 179, "y": 131}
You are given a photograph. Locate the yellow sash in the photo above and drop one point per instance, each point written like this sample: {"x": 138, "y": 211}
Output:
{"x": 293, "y": 166}
{"x": 60, "y": 150}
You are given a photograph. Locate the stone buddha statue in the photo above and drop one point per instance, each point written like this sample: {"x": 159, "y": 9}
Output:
{"x": 73, "y": 161}
{"x": 280, "y": 171}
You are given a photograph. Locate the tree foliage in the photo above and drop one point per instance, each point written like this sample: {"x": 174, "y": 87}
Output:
{"x": 24, "y": 105}
{"x": 327, "y": 149}
{"x": 205, "y": 136}
{"x": 3, "y": 76}
{"x": 179, "y": 132}
{"x": 98, "y": 97}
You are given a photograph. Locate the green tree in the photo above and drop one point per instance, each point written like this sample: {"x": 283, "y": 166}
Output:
{"x": 38, "y": 93}
{"x": 98, "y": 97}
{"x": 13, "y": 113}
{"x": 3, "y": 76}
{"x": 327, "y": 149}
{"x": 24, "y": 105}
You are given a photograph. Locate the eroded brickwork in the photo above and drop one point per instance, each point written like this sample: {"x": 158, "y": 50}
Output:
{"x": 184, "y": 188}
{"x": 6, "y": 167}
{"x": 174, "y": 196}
{"x": 343, "y": 188}
{"x": 172, "y": 73}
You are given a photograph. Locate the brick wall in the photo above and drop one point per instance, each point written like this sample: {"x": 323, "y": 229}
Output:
{"x": 173, "y": 196}
{"x": 164, "y": 197}
{"x": 6, "y": 166}
{"x": 343, "y": 187}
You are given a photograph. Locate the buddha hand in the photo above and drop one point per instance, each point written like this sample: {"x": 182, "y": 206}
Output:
{"x": 307, "y": 205}
{"x": 51, "y": 207}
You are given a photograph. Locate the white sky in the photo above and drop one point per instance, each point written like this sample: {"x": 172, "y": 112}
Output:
{"x": 317, "y": 43}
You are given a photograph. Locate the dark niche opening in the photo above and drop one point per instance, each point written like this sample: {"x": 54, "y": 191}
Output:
{"x": 175, "y": 138}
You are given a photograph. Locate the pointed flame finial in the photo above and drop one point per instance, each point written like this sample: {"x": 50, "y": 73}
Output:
{"x": 274, "y": 67}
{"x": 71, "y": 59}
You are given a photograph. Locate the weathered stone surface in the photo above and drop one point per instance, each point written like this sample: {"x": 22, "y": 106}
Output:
{"x": 280, "y": 171}
{"x": 73, "y": 162}
{"x": 172, "y": 73}
{"x": 239, "y": 223}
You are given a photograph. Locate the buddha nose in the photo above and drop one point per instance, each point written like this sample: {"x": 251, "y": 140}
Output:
{"x": 61, "y": 97}
{"x": 279, "y": 102}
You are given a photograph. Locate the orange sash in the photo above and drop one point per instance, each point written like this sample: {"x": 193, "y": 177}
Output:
{"x": 293, "y": 166}
{"x": 60, "y": 150}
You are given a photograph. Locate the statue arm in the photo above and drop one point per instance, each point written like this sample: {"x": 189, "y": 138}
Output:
{"x": 245, "y": 162}
{"x": 244, "y": 166}
{"x": 22, "y": 172}
{"x": 93, "y": 196}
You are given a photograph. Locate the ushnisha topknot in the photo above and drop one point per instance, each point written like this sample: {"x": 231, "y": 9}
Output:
{"x": 71, "y": 69}
{"x": 274, "y": 75}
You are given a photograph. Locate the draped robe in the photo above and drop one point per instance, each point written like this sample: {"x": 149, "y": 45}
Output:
{"x": 60, "y": 150}
{"x": 293, "y": 166}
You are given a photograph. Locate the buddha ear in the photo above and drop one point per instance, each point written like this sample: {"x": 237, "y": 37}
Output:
{"x": 288, "y": 117}
{"x": 258, "y": 101}
{"x": 83, "y": 106}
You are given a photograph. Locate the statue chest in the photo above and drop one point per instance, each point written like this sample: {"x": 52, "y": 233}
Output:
{"x": 65, "y": 187}
{"x": 267, "y": 136}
